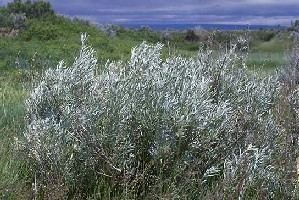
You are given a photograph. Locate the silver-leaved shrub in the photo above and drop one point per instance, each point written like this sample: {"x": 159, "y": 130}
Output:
{"x": 177, "y": 128}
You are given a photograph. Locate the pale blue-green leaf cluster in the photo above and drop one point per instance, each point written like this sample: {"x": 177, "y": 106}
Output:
{"x": 150, "y": 124}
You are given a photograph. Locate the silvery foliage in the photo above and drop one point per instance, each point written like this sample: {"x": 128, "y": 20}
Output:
{"x": 61, "y": 110}
{"x": 289, "y": 74}
{"x": 138, "y": 122}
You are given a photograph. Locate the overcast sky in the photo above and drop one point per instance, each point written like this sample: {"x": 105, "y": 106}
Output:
{"x": 269, "y": 12}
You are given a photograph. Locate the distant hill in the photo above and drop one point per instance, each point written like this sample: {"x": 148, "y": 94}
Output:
{"x": 32, "y": 29}
{"x": 221, "y": 27}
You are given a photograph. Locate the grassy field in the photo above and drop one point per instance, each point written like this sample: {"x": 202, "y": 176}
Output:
{"x": 270, "y": 55}
{"x": 56, "y": 38}
{"x": 12, "y": 172}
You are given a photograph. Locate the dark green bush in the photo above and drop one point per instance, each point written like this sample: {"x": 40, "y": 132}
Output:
{"x": 263, "y": 35}
{"x": 42, "y": 31}
{"x": 6, "y": 19}
{"x": 32, "y": 9}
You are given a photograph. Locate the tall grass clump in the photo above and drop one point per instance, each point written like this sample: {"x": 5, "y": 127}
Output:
{"x": 147, "y": 128}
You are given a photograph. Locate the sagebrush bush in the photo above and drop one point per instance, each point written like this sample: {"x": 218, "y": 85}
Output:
{"x": 179, "y": 128}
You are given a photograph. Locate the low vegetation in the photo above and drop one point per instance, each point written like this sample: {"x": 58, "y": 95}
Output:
{"x": 148, "y": 128}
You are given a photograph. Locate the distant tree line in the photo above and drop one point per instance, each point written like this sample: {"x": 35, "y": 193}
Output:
{"x": 15, "y": 13}
{"x": 5, "y": 18}
{"x": 32, "y": 9}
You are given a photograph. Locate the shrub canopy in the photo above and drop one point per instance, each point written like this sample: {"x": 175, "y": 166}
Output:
{"x": 186, "y": 127}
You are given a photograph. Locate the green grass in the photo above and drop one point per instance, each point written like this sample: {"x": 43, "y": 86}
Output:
{"x": 266, "y": 61}
{"x": 276, "y": 44}
{"x": 12, "y": 168}
{"x": 56, "y": 38}
{"x": 269, "y": 55}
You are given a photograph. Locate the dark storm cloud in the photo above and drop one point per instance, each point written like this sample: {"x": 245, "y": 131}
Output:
{"x": 181, "y": 11}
